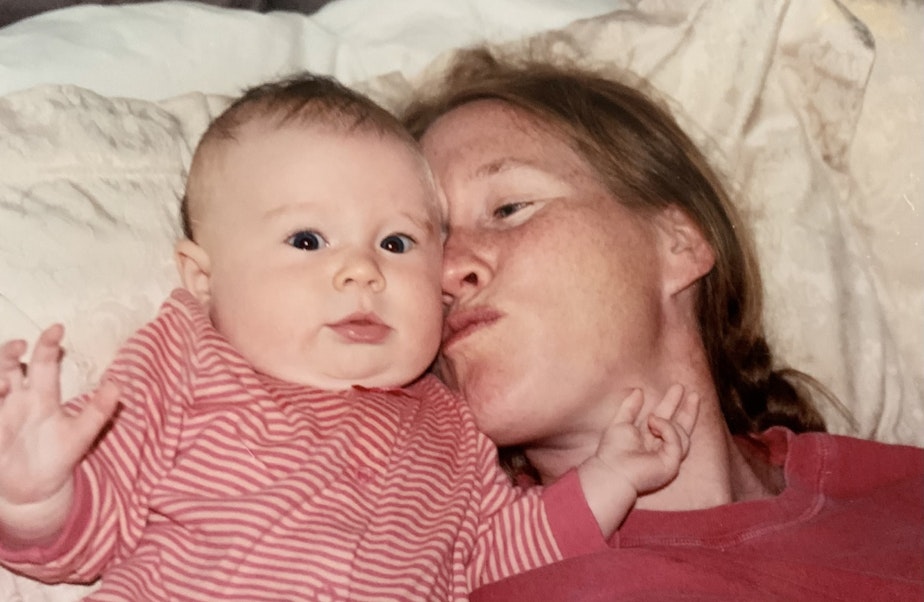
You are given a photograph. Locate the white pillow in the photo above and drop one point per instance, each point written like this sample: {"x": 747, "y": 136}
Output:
{"x": 157, "y": 50}
{"x": 88, "y": 216}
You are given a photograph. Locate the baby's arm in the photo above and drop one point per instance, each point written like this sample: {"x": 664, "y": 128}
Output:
{"x": 634, "y": 458}
{"x": 41, "y": 441}
{"x": 524, "y": 529}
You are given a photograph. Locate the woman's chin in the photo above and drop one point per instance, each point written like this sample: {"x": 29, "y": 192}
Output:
{"x": 502, "y": 425}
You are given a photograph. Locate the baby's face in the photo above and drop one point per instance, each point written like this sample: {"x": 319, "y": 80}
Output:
{"x": 325, "y": 254}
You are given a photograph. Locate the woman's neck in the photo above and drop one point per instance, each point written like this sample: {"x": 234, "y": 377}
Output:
{"x": 719, "y": 468}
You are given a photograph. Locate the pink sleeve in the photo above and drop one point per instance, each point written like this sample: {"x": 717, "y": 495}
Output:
{"x": 528, "y": 528}
{"x": 570, "y": 518}
{"x": 114, "y": 482}
{"x": 31, "y": 560}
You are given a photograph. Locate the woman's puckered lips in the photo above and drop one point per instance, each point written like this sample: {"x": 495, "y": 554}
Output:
{"x": 460, "y": 323}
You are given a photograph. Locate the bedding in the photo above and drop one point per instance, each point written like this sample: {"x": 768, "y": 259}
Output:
{"x": 15, "y": 10}
{"x": 812, "y": 110}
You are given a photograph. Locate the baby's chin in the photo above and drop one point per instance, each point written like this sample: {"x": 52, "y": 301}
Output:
{"x": 392, "y": 377}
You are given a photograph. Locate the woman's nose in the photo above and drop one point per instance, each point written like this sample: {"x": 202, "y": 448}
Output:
{"x": 360, "y": 269}
{"x": 465, "y": 267}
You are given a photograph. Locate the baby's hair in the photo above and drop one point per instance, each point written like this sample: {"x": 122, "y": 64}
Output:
{"x": 304, "y": 99}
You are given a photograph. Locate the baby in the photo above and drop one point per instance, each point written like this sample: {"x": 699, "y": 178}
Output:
{"x": 277, "y": 434}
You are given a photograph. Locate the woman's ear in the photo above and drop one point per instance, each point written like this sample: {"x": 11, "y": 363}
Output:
{"x": 686, "y": 253}
{"x": 195, "y": 269}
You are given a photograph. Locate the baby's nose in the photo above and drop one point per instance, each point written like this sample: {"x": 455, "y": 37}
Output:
{"x": 360, "y": 269}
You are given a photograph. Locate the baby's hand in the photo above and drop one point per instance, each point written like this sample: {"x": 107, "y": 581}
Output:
{"x": 40, "y": 440}
{"x": 10, "y": 366}
{"x": 632, "y": 458}
{"x": 648, "y": 455}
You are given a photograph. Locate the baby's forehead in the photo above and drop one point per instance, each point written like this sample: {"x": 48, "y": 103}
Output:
{"x": 260, "y": 130}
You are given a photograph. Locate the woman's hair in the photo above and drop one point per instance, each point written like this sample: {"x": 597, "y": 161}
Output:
{"x": 648, "y": 163}
{"x": 305, "y": 99}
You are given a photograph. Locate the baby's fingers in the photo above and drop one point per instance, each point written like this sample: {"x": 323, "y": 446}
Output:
{"x": 45, "y": 366}
{"x": 630, "y": 407}
{"x": 97, "y": 412}
{"x": 670, "y": 402}
{"x": 10, "y": 361}
{"x": 686, "y": 414}
{"x": 675, "y": 442}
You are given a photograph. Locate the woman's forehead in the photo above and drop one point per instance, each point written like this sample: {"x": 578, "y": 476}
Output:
{"x": 492, "y": 136}
{"x": 490, "y": 140}
{"x": 488, "y": 113}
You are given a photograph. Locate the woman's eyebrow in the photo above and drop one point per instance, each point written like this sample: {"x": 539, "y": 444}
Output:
{"x": 504, "y": 164}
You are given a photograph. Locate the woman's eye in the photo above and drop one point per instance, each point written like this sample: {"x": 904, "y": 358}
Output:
{"x": 397, "y": 243}
{"x": 508, "y": 209}
{"x": 306, "y": 240}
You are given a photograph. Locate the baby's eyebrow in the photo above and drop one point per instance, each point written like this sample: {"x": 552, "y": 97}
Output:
{"x": 290, "y": 208}
{"x": 276, "y": 211}
{"x": 427, "y": 224}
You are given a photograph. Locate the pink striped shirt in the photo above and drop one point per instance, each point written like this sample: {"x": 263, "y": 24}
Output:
{"x": 217, "y": 482}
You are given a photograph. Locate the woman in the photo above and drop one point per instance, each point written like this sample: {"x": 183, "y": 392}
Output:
{"x": 591, "y": 250}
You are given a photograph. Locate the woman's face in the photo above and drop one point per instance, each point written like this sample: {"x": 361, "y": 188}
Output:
{"x": 553, "y": 286}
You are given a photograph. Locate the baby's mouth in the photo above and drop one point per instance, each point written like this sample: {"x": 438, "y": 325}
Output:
{"x": 364, "y": 328}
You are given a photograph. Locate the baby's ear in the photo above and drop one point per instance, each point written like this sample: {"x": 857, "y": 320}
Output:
{"x": 687, "y": 255}
{"x": 194, "y": 267}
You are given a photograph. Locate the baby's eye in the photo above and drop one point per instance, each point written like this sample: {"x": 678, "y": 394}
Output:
{"x": 508, "y": 209}
{"x": 397, "y": 243}
{"x": 307, "y": 240}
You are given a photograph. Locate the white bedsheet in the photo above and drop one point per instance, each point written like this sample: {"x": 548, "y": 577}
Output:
{"x": 157, "y": 50}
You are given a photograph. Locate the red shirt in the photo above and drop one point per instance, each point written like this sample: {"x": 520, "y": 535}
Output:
{"x": 848, "y": 526}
